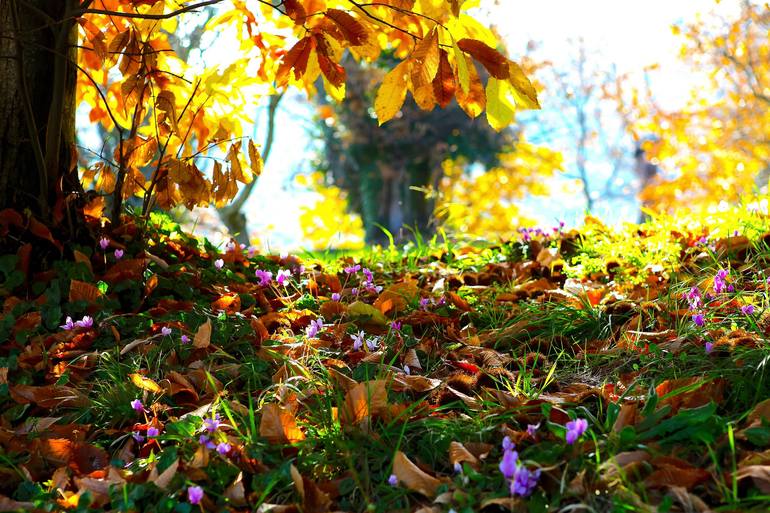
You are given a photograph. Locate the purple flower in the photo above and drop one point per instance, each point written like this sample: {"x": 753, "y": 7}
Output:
{"x": 424, "y": 302}
{"x": 211, "y": 424}
{"x": 137, "y": 436}
{"x": 137, "y": 405}
{"x": 407, "y": 371}
{"x": 195, "y": 494}
{"x": 252, "y": 251}
{"x": 372, "y": 344}
{"x": 206, "y": 441}
{"x": 104, "y": 243}
{"x": 693, "y": 298}
{"x": 575, "y": 428}
{"x": 524, "y": 481}
{"x": 393, "y": 480}
{"x": 699, "y": 319}
{"x": 223, "y": 448}
{"x": 282, "y": 277}
{"x": 719, "y": 280}
{"x": 165, "y": 331}
{"x": 85, "y": 322}
{"x": 458, "y": 468}
{"x": 315, "y": 326}
{"x": 354, "y": 291}
{"x": 395, "y": 325}
{"x": 118, "y": 254}
{"x": 508, "y": 463}
{"x": 185, "y": 339}
{"x": 747, "y": 309}
{"x": 709, "y": 347}
{"x": 352, "y": 269}
{"x": 265, "y": 277}
{"x": 230, "y": 246}
{"x": 68, "y": 324}
{"x": 152, "y": 432}
{"x": 532, "y": 429}
{"x": 336, "y": 296}
{"x": 219, "y": 263}
{"x": 358, "y": 340}
{"x": 368, "y": 275}
{"x": 508, "y": 445}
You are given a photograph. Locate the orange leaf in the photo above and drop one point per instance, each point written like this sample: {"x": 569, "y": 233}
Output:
{"x": 333, "y": 72}
{"x": 363, "y": 400}
{"x": 352, "y": 30}
{"x": 295, "y": 59}
{"x": 494, "y": 62}
{"x": 444, "y": 81}
{"x": 279, "y": 426}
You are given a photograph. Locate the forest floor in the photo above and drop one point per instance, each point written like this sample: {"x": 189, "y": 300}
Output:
{"x": 595, "y": 370}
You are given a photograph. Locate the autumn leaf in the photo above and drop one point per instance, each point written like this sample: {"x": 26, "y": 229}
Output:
{"x": 84, "y": 291}
{"x": 444, "y": 82}
{"x": 363, "y": 400}
{"x": 351, "y": 28}
{"x": 255, "y": 159}
{"x": 279, "y": 426}
{"x": 472, "y": 99}
{"x": 494, "y": 62}
{"x": 296, "y": 60}
{"x": 145, "y": 383}
{"x": 202, "y": 337}
{"x": 391, "y": 94}
{"x": 412, "y": 477}
{"x": 500, "y": 111}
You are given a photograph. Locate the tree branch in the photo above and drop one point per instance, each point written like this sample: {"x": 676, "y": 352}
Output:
{"x": 137, "y": 15}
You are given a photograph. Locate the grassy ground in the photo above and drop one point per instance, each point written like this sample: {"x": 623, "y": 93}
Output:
{"x": 334, "y": 390}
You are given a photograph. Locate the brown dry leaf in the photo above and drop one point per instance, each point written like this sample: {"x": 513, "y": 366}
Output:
{"x": 411, "y": 359}
{"x": 411, "y": 476}
{"x": 229, "y": 303}
{"x": 414, "y": 383}
{"x": 459, "y": 454}
{"x": 760, "y": 411}
{"x": 48, "y": 396}
{"x": 236, "y": 493}
{"x": 671, "y": 471}
{"x": 759, "y": 474}
{"x": 203, "y": 335}
{"x": 626, "y": 416}
{"x": 145, "y": 383}
{"x": 82, "y": 258}
{"x": 279, "y": 426}
{"x": 314, "y": 500}
{"x": 100, "y": 487}
{"x": 82, "y": 291}
{"x": 690, "y": 503}
{"x": 368, "y": 398}
{"x": 397, "y": 297}
{"x": 699, "y": 396}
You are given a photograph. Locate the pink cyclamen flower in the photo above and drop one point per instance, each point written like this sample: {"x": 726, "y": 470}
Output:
{"x": 354, "y": 291}
{"x": 352, "y": 269}
{"x": 195, "y": 494}
{"x": 393, "y": 480}
{"x": 118, "y": 254}
{"x": 85, "y": 322}
{"x": 693, "y": 298}
{"x": 185, "y": 339}
{"x": 265, "y": 277}
{"x": 230, "y": 246}
{"x": 508, "y": 445}
{"x": 152, "y": 432}
{"x": 165, "y": 331}
{"x": 251, "y": 251}
{"x": 104, "y": 243}
{"x": 137, "y": 405}
{"x": 747, "y": 309}
{"x": 219, "y": 263}
{"x": 719, "y": 280}
{"x": 532, "y": 429}
{"x": 524, "y": 481}
{"x": 223, "y": 448}
{"x": 699, "y": 319}
{"x": 315, "y": 326}
{"x": 372, "y": 344}
{"x": 137, "y": 436}
{"x": 508, "y": 463}
{"x": 283, "y": 277}
{"x": 709, "y": 347}
{"x": 424, "y": 302}
{"x": 336, "y": 296}
{"x": 358, "y": 340}
{"x": 368, "y": 275}
{"x": 68, "y": 324}
{"x": 575, "y": 429}
{"x": 395, "y": 325}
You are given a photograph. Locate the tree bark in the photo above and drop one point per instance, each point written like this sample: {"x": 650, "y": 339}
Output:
{"x": 37, "y": 103}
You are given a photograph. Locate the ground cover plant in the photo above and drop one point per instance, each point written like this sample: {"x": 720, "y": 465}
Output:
{"x": 591, "y": 370}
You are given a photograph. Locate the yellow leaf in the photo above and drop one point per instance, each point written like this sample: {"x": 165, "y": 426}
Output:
{"x": 472, "y": 101}
{"x": 203, "y": 335}
{"x": 166, "y": 102}
{"x": 391, "y": 94}
{"x": 523, "y": 91}
{"x": 233, "y": 157}
{"x": 461, "y": 67}
{"x": 364, "y": 400}
{"x": 145, "y": 383}
{"x": 499, "y": 110}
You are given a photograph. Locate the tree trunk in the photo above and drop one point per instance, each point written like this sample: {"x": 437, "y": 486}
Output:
{"x": 37, "y": 103}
